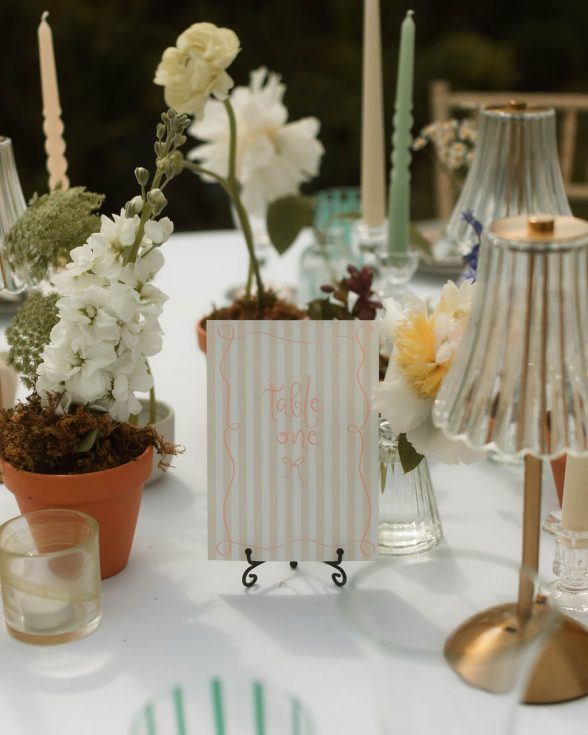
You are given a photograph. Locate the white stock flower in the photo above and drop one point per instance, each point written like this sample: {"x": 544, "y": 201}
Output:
{"x": 194, "y": 69}
{"x": 274, "y": 157}
{"x": 158, "y": 231}
{"x": 108, "y": 326}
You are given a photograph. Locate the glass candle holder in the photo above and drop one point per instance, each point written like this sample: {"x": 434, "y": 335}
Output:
{"x": 570, "y": 590}
{"x": 395, "y": 270}
{"x": 407, "y": 611}
{"x": 50, "y": 575}
{"x": 367, "y": 242}
{"x": 322, "y": 262}
{"x": 223, "y": 706}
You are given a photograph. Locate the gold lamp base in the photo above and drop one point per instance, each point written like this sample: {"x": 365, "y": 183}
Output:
{"x": 482, "y": 650}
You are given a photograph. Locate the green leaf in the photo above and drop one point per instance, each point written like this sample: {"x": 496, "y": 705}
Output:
{"x": 286, "y": 218}
{"x": 326, "y": 309}
{"x": 383, "y": 475}
{"x": 409, "y": 457}
{"x": 87, "y": 441}
{"x": 420, "y": 241}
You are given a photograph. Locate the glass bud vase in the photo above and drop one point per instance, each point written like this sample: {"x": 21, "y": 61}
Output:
{"x": 408, "y": 519}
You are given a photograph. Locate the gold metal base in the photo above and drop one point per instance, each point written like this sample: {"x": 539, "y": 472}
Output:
{"x": 483, "y": 647}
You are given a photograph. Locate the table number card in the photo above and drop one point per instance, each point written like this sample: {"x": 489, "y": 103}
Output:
{"x": 292, "y": 439}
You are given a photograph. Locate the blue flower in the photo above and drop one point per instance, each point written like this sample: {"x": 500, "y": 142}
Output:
{"x": 469, "y": 217}
{"x": 471, "y": 259}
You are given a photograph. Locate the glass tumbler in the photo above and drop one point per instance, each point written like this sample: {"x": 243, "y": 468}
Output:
{"x": 50, "y": 575}
{"x": 405, "y": 609}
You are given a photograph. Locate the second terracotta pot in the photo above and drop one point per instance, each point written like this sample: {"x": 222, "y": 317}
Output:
{"x": 201, "y": 335}
{"x": 112, "y": 497}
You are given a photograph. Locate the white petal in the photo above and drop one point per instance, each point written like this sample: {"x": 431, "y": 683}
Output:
{"x": 397, "y": 402}
{"x": 427, "y": 439}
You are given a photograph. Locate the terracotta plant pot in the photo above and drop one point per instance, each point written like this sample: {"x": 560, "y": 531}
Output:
{"x": 165, "y": 425}
{"x": 112, "y": 497}
{"x": 201, "y": 335}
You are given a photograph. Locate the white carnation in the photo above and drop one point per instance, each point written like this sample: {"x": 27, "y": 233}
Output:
{"x": 274, "y": 157}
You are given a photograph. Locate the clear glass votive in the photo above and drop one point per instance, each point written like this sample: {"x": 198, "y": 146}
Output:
{"x": 231, "y": 706}
{"x": 395, "y": 270}
{"x": 50, "y": 576}
{"x": 407, "y": 611}
{"x": 570, "y": 590}
{"x": 368, "y": 241}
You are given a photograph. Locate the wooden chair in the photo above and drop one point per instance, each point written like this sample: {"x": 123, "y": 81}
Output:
{"x": 445, "y": 103}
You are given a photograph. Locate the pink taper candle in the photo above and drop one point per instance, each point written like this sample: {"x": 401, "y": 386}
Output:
{"x": 52, "y": 125}
{"x": 373, "y": 165}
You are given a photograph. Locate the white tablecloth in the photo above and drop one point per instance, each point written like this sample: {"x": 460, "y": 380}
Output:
{"x": 172, "y": 616}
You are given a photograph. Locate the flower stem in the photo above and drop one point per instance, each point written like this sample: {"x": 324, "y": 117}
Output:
{"x": 232, "y": 177}
{"x": 241, "y": 212}
{"x": 233, "y": 194}
{"x": 152, "y": 410}
{"x": 131, "y": 256}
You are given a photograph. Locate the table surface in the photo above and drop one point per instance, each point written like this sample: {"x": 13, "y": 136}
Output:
{"x": 173, "y": 616}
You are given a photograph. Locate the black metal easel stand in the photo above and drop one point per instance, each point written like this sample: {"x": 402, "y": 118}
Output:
{"x": 339, "y": 576}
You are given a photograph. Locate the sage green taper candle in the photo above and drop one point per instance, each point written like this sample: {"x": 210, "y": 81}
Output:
{"x": 399, "y": 197}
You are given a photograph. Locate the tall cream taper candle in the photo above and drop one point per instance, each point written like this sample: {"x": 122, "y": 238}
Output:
{"x": 373, "y": 165}
{"x": 52, "y": 125}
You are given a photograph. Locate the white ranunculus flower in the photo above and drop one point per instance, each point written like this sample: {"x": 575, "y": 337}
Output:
{"x": 194, "y": 69}
{"x": 274, "y": 157}
{"x": 402, "y": 407}
{"x": 424, "y": 345}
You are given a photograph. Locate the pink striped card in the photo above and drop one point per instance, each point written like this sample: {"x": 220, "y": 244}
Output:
{"x": 292, "y": 439}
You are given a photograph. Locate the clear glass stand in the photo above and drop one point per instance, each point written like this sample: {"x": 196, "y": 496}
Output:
{"x": 570, "y": 590}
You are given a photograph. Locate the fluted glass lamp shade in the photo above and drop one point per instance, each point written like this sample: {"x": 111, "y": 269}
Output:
{"x": 515, "y": 170}
{"x": 519, "y": 380}
{"x": 12, "y": 205}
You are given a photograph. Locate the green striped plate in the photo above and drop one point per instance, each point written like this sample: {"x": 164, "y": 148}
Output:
{"x": 224, "y": 707}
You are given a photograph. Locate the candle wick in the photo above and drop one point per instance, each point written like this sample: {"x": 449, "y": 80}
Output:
{"x": 45, "y": 16}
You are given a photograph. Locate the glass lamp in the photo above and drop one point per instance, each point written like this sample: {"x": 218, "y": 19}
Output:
{"x": 12, "y": 205}
{"x": 519, "y": 385}
{"x": 515, "y": 170}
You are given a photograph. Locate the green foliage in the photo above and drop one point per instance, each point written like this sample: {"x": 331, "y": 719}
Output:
{"x": 28, "y": 334}
{"x": 50, "y": 228}
{"x": 336, "y": 304}
{"x": 286, "y": 218}
{"x": 409, "y": 457}
{"x": 327, "y": 309}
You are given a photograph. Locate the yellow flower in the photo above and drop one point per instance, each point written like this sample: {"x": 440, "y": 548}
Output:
{"x": 415, "y": 347}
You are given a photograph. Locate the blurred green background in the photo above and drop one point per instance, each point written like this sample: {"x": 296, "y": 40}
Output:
{"x": 107, "y": 51}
